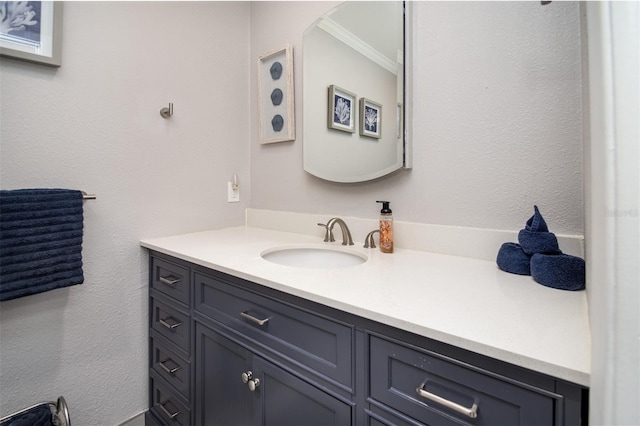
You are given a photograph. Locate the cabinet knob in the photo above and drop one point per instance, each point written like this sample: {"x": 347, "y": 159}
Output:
{"x": 253, "y": 384}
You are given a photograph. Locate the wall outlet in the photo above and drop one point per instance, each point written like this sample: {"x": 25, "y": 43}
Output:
{"x": 233, "y": 195}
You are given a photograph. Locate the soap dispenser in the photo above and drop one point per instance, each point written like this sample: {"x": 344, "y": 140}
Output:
{"x": 386, "y": 228}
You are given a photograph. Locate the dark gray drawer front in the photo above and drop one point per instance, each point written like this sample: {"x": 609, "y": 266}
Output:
{"x": 170, "y": 366}
{"x": 170, "y": 323}
{"x": 397, "y": 371}
{"x": 316, "y": 342}
{"x": 166, "y": 406}
{"x": 377, "y": 417}
{"x": 170, "y": 279}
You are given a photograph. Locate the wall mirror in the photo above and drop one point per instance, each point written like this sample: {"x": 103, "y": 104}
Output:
{"x": 354, "y": 83}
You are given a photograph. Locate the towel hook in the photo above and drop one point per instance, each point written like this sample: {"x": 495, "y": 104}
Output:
{"x": 167, "y": 112}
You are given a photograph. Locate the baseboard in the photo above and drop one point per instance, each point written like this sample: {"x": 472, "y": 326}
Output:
{"x": 137, "y": 420}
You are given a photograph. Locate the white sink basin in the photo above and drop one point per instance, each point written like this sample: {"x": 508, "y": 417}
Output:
{"x": 314, "y": 256}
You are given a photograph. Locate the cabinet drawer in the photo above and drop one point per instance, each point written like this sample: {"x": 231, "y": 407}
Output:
{"x": 170, "y": 366}
{"x": 314, "y": 342}
{"x": 166, "y": 406}
{"x": 436, "y": 391}
{"x": 170, "y": 279}
{"x": 170, "y": 323}
{"x": 377, "y": 417}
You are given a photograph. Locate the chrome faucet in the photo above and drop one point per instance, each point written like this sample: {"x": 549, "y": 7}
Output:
{"x": 346, "y": 234}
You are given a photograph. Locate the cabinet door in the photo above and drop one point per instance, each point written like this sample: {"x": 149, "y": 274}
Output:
{"x": 286, "y": 400}
{"x": 221, "y": 396}
{"x": 276, "y": 397}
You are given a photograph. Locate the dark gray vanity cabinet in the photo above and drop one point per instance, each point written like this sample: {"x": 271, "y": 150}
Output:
{"x": 257, "y": 356}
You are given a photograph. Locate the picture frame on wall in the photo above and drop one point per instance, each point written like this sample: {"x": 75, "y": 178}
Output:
{"x": 342, "y": 109}
{"x": 276, "y": 97}
{"x": 32, "y": 31}
{"x": 370, "y": 118}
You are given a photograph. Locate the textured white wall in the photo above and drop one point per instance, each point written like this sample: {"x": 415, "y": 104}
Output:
{"x": 498, "y": 120}
{"x": 94, "y": 124}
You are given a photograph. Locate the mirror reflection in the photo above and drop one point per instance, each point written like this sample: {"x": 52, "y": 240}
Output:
{"x": 353, "y": 92}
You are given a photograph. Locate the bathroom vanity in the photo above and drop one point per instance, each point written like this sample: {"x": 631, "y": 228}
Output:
{"x": 235, "y": 339}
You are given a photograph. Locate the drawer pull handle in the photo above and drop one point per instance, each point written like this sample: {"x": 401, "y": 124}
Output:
{"x": 170, "y": 323}
{"x": 170, "y": 280}
{"x": 167, "y": 412}
{"x": 251, "y": 318}
{"x": 163, "y": 365}
{"x": 469, "y": 412}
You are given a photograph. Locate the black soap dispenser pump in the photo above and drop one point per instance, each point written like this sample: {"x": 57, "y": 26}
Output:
{"x": 386, "y": 228}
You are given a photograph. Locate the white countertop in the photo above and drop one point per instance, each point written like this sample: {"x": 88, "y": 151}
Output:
{"x": 464, "y": 302}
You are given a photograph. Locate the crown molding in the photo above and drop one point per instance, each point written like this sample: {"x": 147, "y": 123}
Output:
{"x": 340, "y": 33}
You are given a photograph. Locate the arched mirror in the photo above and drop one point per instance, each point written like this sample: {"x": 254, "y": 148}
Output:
{"x": 354, "y": 106}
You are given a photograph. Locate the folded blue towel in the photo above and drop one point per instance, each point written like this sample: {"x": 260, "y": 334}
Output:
{"x": 536, "y": 238}
{"x": 539, "y": 255}
{"x": 511, "y": 258}
{"x": 561, "y": 271}
{"x": 538, "y": 242}
{"x": 40, "y": 241}
{"x": 536, "y": 223}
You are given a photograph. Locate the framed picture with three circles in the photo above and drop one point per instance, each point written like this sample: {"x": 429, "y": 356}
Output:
{"x": 276, "y": 98}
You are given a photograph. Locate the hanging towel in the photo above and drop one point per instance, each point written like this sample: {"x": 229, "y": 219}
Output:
{"x": 40, "y": 415}
{"x": 40, "y": 241}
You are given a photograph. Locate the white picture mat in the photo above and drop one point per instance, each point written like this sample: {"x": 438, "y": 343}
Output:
{"x": 45, "y": 47}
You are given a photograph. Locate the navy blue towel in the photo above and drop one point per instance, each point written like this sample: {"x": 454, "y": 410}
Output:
{"x": 511, "y": 258}
{"x": 39, "y": 415}
{"x": 561, "y": 271}
{"x": 40, "y": 241}
{"x": 536, "y": 238}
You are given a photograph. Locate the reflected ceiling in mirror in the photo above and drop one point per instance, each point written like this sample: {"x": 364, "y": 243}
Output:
{"x": 353, "y": 92}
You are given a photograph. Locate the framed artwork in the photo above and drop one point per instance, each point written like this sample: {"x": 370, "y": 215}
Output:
{"x": 275, "y": 90}
{"x": 370, "y": 118}
{"x": 342, "y": 106}
{"x": 31, "y": 31}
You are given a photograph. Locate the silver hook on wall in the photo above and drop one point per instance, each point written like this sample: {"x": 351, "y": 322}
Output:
{"x": 167, "y": 112}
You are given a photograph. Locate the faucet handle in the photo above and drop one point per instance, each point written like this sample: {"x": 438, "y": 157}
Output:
{"x": 328, "y": 233}
{"x": 368, "y": 241}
